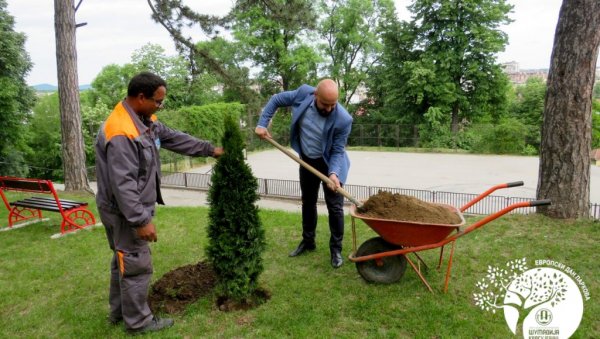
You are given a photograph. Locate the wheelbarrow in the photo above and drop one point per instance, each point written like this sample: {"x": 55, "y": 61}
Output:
{"x": 383, "y": 259}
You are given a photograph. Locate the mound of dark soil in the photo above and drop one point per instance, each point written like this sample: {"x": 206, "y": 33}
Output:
{"x": 181, "y": 287}
{"x": 186, "y": 284}
{"x": 386, "y": 205}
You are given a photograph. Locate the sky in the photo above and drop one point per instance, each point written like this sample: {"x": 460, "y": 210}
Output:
{"x": 116, "y": 28}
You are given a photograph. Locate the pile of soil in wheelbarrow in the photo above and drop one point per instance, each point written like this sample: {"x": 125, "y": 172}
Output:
{"x": 186, "y": 284}
{"x": 394, "y": 206}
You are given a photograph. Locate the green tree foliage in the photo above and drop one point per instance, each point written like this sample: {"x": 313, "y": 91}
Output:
{"x": 402, "y": 88}
{"x": 204, "y": 122}
{"x": 16, "y": 98}
{"x": 92, "y": 118}
{"x": 229, "y": 54}
{"x": 274, "y": 32}
{"x": 110, "y": 85}
{"x": 183, "y": 89}
{"x": 352, "y": 43}
{"x": 236, "y": 237}
{"x": 396, "y": 86}
{"x": 596, "y": 124}
{"x": 528, "y": 104}
{"x": 44, "y": 139}
{"x": 173, "y": 15}
{"x": 507, "y": 137}
{"x": 528, "y": 107}
{"x": 439, "y": 72}
{"x": 458, "y": 40}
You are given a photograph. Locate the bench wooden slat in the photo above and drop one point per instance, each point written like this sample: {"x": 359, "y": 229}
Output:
{"x": 36, "y": 206}
{"x": 49, "y": 205}
{"x": 62, "y": 201}
{"x": 36, "y": 203}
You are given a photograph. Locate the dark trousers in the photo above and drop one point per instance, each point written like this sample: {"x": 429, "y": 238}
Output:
{"x": 309, "y": 184}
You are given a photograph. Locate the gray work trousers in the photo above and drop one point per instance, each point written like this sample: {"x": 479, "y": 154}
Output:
{"x": 130, "y": 271}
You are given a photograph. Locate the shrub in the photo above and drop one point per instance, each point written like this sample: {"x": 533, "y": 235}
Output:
{"x": 204, "y": 122}
{"x": 236, "y": 236}
{"x": 507, "y": 137}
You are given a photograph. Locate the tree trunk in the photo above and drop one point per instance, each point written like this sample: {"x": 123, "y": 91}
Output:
{"x": 564, "y": 172}
{"x": 73, "y": 150}
{"x": 455, "y": 118}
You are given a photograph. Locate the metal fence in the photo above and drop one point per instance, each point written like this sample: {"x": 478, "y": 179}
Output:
{"x": 290, "y": 189}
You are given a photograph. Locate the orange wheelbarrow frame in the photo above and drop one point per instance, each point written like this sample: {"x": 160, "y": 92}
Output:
{"x": 413, "y": 237}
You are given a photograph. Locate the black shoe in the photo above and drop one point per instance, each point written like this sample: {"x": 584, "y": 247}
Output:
{"x": 114, "y": 320}
{"x": 303, "y": 247}
{"x": 336, "y": 259}
{"x": 155, "y": 325}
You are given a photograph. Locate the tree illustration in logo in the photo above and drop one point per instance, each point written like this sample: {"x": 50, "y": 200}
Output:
{"x": 517, "y": 287}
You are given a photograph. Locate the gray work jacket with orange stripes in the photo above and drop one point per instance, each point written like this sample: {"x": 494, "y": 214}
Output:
{"x": 128, "y": 164}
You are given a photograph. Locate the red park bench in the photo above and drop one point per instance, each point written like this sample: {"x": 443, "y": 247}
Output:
{"x": 75, "y": 215}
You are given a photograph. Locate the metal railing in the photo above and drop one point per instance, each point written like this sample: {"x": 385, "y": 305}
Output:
{"x": 290, "y": 189}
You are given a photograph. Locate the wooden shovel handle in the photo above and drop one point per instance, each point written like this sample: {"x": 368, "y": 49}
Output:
{"x": 314, "y": 171}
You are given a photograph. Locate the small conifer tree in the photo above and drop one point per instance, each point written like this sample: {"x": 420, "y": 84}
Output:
{"x": 236, "y": 236}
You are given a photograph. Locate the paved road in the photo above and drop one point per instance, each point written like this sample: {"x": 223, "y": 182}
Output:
{"x": 459, "y": 173}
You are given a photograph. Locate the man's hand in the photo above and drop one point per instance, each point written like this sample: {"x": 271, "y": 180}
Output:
{"x": 262, "y": 132}
{"x": 147, "y": 232}
{"x": 218, "y": 152}
{"x": 335, "y": 182}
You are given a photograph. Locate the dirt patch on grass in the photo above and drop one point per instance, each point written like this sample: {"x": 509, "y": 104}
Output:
{"x": 259, "y": 297}
{"x": 387, "y": 205}
{"x": 186, "y": 284}
{"x": 181, "y": 287}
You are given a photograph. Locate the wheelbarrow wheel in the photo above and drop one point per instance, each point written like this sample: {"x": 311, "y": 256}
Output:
{"x": 386, "y": 270}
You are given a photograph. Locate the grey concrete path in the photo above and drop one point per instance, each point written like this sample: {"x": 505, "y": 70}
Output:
{"x": 194, "y": 197}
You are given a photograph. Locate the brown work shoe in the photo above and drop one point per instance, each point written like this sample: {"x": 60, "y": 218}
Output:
{"x": 156, "y": 324}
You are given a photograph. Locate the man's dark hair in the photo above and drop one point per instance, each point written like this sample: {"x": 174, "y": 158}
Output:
{"x": 146, "y": 83}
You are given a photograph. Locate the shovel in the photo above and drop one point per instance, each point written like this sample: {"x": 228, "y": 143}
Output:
{"x": 325, "y": 179}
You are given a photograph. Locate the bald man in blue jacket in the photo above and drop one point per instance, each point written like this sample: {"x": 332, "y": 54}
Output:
{"x": 319, "y": 132}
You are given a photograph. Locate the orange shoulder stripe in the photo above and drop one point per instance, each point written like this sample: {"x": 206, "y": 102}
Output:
{"x": 119, "y": 123}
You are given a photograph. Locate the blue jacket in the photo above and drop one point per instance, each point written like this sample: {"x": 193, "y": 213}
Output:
{"x": 335, "y": 134}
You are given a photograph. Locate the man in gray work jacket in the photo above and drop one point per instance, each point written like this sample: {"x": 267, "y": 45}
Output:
{"x": 128, "y": 175}
{"x": 319, "y": 132}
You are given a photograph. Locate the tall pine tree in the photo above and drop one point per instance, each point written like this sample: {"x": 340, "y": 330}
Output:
{"x": 236, "y": 236}
{"x": 564, "y": 175}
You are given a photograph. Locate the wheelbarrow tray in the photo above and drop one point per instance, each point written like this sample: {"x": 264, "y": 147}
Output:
{"x": 410, "y": 233}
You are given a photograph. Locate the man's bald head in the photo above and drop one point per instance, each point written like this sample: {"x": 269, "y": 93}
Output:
{"x": 326, "y": 96}
{"x": 327, "y": 90}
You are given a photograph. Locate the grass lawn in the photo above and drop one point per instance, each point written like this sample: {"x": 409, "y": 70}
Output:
{"x": 57, "y": 288}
